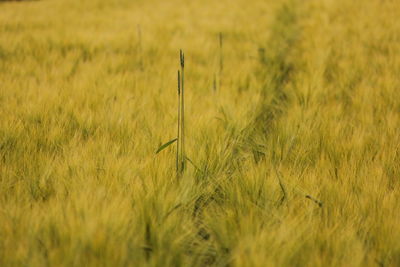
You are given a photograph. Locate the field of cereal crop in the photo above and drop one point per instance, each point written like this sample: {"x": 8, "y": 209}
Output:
{"x": 291, "y": 133}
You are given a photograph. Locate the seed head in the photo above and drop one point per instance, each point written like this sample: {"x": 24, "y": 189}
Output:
{"x": 182, "y": 57}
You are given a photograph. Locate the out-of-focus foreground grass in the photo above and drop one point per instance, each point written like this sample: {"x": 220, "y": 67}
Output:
{"x": 296, "y": 140}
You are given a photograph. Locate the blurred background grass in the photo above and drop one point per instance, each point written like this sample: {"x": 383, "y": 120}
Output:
{"x": 306, "y": 110}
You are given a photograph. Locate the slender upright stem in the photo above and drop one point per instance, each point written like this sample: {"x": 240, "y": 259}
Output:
{"x": 180, "y": 144}
{"x": 139, "y": 35}
{"x": 182, "y": 59}
{"x": 221, "y": 56}
{"x": 178, "y": 147}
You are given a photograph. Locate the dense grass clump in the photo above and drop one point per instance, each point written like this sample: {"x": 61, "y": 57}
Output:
{"x": 289, "y": 142}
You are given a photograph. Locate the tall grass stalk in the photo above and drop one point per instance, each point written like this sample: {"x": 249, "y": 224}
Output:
{"x": 180, "y": 160}
{"x": 179, "y": 124}
{"x": 181, "y": 115}
{"x": 221, "y": 55}
{"x": 139, "y": 47}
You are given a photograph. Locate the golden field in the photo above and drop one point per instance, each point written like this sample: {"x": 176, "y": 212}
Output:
{"x": 292, "y": 127}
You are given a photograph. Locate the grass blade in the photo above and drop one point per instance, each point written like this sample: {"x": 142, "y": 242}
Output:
{"x": 161, "y": 148}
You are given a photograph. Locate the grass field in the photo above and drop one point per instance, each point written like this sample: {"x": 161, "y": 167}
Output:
{"x": 292, "y": 123}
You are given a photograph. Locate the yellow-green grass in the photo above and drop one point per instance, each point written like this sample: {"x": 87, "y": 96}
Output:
{"x": 297, "y": 147}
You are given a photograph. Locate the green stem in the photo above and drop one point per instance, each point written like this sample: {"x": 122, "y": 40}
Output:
{"x": 179, "y": 125}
